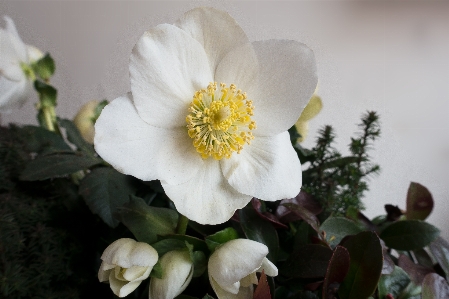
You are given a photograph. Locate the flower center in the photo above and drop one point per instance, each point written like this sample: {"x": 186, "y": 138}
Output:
{"x": 219, "y": 121}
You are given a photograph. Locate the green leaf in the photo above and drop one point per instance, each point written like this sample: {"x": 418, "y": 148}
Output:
{"x": 336, "y": 270}
{"x": 166, "y": 245}
{"x": 56, "y": 165}
{"x": 337, "y": 228}
{"x": 419, "y": 202}
{"x": 221, "y": 237}
{"x": 197, "y": 244}
{"x": 409, "y": 234}
{"x": 308, "y": 261}
{"x": 157, "y": 271}
{"x": 44, "y": 67}
{"x": 47, "y": 94}
{"x": 257, "y": 229}
{"x": 435, "y": 287}
{"x": 147, "y": 222}
{"x": 440, "y": 251}
{"x": 105, "y": 190}
{"x": 365, "y": 268}
{"x": 207, "y": 296}
{"x": 393, "y": 283}
{"x": 74, "y": 136}
{"x": 199, "y": 263}
{"x": 41, "y": 141}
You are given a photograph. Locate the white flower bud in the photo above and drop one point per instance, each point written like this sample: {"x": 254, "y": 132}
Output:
{"x": 85, "y": 120}
{"x": 126, "y": 263}
{"x": 177, "y": 270}
{"x": 233, "y": 266}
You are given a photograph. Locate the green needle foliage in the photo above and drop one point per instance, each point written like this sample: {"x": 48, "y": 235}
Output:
{"x": 339, "y": 182}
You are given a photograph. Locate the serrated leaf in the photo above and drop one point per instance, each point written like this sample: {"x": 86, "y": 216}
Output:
{"x": 105, "y": 190}
{"x": 47, "y": 94}
{"x": 336, "y": 271}
{"x": 409, "y": 234}
{"x": 419, "y": 202}
{"x": 221, "y": 237}
{"x": 308, "y": 261}
{"x": 337, "y": 228}
{"x": 166, "y": 245}
{"x": 435, "y": 287}
{"x": 74, "y": 136}
{"x": 263, "y": 289}
{"x": 257, "y": 229}
{"x": 147, "y": 222}
{"x": 440, "y": 251}
{"x": 393, "y": 283}
{"x": 365, "y": 268}
{"x": 42, "y": 141}
{"x": 56, "y": 165}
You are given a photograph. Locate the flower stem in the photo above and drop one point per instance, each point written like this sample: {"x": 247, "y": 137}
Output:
{"x": 182, "y": 225}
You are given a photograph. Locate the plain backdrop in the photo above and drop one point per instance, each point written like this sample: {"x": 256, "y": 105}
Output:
{"x": 391, "y": 57}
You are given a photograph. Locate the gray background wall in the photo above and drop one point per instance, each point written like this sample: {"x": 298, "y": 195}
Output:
{"x": 391, "y": 57}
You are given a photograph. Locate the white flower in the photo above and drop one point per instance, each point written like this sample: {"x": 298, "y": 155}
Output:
{"x": 200, "y": 139}
{"x": 15, "y": 87}
{"x": 126, "y": 263}
{"x": 177, "y": 268}
{"x": 232, "y": 268}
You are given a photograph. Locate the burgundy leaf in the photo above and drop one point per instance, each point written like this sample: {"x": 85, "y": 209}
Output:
{"x": 393, "y": 212}
{"x": 263, "y": 289}
{"x": 257, "y": 205}
{"x": 419, "y": 202}
{"x": 304, "y": 200}
{"x": 336, "y": 271}
{"x": 416, "y": 272}
{"x": 304, "y": 214}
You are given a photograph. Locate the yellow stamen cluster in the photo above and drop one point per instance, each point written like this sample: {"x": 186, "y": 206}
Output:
{"x": 219, "y": 121}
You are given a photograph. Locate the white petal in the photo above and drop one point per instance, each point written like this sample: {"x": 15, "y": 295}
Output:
{"x": 240, "y": 67}
{"x": 133, "y": 147}
{"x": 206, "y": 198}
{"x": 34, "y": 54}
{"x": 12, "y": 51}
{"x": 268, "y": 168}
{"x": 177, "y": 274}
{"x": 249, "y": 280}
{"x": 127, "y": 253}
{"x": 13, "y": 94}
{"x": 166, "y": 67}
{"x": 104, "y": 271}
{"x": 236, "y": 259}
{"x": 287, "y": 80}
{"x": 243, "y": 292}
{"x": 135, "y": 273}
{"x": 269, "y": 268}
{"x": 215, "y": 30}
{"x": 116, "y": 284}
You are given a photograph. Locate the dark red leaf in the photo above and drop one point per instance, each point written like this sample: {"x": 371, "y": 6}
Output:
{"x": 416, "y": 272}
{"x": 336, "y": 271}
{"x": 263, "y": 289}
{"x": 304, "y": 214}
{"x": 308, "y": 261}
{"x": 257, "y": 205}
{"x": 393, "y": 212}
{"x": 303, "y": 200}
{"x": 419, "y": 202}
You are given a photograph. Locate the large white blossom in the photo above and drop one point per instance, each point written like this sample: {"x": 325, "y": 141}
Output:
{"x": 177, "y": 272}
{"x": 208, "y": 115}
{"x": 232, "y": 268}
{"x": 125, "y": 264}
{"x": 15, "y": 86}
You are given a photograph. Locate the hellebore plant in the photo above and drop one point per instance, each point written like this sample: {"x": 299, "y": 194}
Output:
{"x": 16, "y": 76}
{"x": 208, "y": 115}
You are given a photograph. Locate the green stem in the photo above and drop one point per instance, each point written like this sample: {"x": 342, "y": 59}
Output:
{"x": 182, "y": 225}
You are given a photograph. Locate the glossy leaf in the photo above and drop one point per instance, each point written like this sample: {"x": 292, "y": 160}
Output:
{"x": 393, "y": 283}
{"x": 197, "y": 244}
{"x": 304, "y": 214}
{"x": 409, "y": 234}
{"x": 166, "y": 245}
{"x": 419, "y": 202}
{"x": 257, "y": 229}
{"x": 56, "y": 165}
{"x": 435, "y": 287}
{"x": 440, "y": 251}
{"x": 308, "y": 261}
{"x": 199, "y": 263}
{"x": 365, "y": 267}
{"x": 414, "y": 271}
{"x": 337, "y": 228}
{"x": 336, "y": 271}
{"x": 146, "y": 222}
{"x": 263, "y": 289}
{"x": 257, "y": 205}
{"x": 303, "y": 200}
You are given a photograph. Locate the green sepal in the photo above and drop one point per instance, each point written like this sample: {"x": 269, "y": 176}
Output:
{"x": 44, "y": 68}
